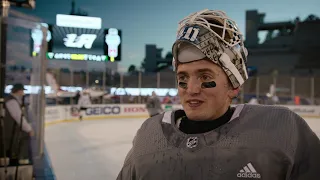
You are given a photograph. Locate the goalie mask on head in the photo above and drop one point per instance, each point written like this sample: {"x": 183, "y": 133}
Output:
{"x": 210, "y": 34}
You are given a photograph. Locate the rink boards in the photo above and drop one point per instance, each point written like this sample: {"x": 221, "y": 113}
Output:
{"x": 57, "y": 114}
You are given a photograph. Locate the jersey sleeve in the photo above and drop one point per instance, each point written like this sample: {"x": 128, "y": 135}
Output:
{"x": 127, "y": 173}
{"x": 307, "y": 157}
{"x": 143, "y": 143}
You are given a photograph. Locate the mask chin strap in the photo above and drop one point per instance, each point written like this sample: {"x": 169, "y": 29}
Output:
{"x": 204, "y": 85}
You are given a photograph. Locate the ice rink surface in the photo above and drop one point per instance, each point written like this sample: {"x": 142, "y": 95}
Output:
{"x": 90, "y": 150}
{"x": 95, "y": 149}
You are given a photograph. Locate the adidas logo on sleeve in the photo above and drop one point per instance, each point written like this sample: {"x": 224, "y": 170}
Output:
{"x": 249, "y": 171}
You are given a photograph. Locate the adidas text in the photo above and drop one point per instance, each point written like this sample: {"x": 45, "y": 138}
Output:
{"x": 249, "y": 171}
{"x": 249, "y": 175}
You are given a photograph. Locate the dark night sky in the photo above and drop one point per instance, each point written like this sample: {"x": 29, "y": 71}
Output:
{"x": 155, "y": 22}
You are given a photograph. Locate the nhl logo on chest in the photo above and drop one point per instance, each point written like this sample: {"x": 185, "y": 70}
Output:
{"x": 192, "y": 142}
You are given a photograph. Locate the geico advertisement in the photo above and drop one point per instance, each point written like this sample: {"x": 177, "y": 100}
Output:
{"x": 97, "y": 110}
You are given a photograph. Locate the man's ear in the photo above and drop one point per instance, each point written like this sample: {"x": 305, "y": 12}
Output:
{"x": 234, "y": 92}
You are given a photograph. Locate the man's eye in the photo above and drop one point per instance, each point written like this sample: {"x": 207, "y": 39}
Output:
{"x": 205, "y": 77}
{"x": 182, "y": 78}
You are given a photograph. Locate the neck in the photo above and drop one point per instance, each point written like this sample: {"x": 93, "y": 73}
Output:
{"x": 195, "y": 127}
{"x": 220, "y": 112}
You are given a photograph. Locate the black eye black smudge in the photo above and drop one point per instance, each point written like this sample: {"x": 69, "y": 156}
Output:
{"x": 211, "y": 84}
{"x": 183, "y": 85}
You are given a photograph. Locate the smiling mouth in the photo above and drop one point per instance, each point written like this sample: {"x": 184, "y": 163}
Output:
{"x": 194, "y": 103}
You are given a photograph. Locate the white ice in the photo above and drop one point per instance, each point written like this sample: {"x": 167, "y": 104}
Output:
{"x": 96, "y": 149}
{"x": 90, "y": 150}
{"x": 314, "y": 123}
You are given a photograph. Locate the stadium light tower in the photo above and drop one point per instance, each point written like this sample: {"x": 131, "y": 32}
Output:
{"x": 5, "y": 5}
{"x": 80, "y": 12}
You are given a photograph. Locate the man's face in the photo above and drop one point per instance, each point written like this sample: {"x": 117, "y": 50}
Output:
{"x": 204, "y": 103}
{"x": 20, "y": 93}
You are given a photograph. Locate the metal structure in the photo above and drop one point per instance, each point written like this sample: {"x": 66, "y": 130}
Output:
{"x": 16, "y": 30}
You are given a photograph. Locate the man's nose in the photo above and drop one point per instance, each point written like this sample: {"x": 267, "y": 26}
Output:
{"x": 194, "y": 86}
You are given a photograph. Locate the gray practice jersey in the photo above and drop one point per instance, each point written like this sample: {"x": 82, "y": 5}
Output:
{"x": 153, "y": 105}
{"x": 259, "y": 142}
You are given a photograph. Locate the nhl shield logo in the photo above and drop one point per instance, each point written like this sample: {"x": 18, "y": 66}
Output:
{"x": 192, "y": 142}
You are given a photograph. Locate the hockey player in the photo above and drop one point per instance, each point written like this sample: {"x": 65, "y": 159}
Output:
{"x": 83, "y": 103}
{"x": 153, "y": 105}
{"x": 209, "y": 139}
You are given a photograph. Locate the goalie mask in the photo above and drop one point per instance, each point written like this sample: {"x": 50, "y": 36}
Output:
{"x": 210, "y": 34}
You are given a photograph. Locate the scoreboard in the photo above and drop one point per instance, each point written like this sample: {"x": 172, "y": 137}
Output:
{"x": 83, "y": 41}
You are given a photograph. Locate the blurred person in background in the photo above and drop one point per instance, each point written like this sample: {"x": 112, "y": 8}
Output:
{"x": 131, "y": 99}
{"x": 210, "y": 139}
{"x": 17, "y": 129}
{"x": 153, "y": 105}
{"x": 253, "y": 101}
{"x": 84, "y": 103}
{"x": 167, "y": 99}
{"x": 77, "y": 97}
